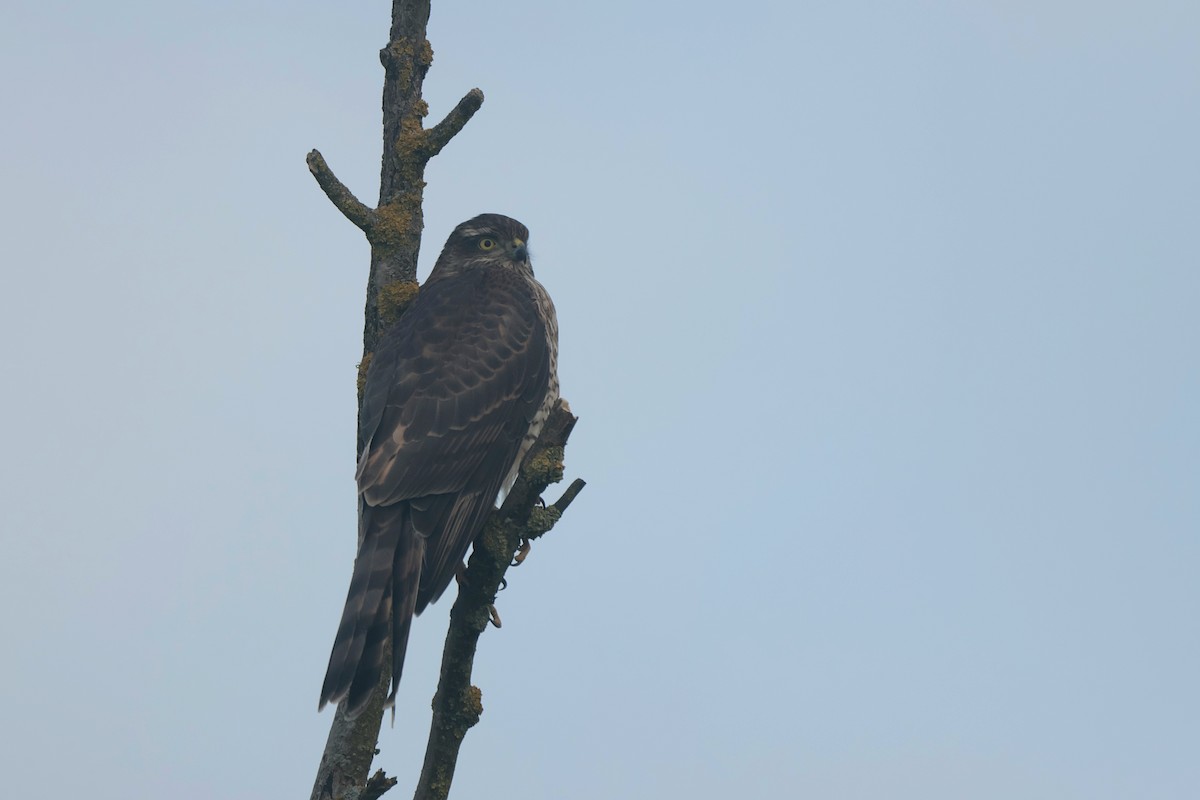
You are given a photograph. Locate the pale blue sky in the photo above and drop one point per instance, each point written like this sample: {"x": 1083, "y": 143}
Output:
{"x": 882, "y": 321}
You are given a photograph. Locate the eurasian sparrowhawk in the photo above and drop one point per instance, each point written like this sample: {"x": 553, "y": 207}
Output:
{"x": 456, "y": 393}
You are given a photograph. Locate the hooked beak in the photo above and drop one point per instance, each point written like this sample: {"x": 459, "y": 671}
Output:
{"x": 519, "y": 251}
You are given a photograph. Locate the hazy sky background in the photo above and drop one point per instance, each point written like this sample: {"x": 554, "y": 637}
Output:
{"x": 882, "y": 321}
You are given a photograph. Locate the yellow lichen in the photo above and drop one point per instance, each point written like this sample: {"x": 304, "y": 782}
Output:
{"x": 411, "y": 141}
{"x": 394, "y": 222}
{"x": 546, "y": 467}
{"x": 400, "y": 56}
{"x": 473, "y": 704}
{"x": 394, "y": 298}
{"x": 541, "y": 520}
{"x": 362, "y": 373}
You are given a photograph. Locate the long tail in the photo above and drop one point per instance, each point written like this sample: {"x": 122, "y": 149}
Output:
{"x": 379, "y": 606}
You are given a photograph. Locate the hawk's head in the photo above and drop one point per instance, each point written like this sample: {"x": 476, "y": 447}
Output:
{"x": 486, "y": 240}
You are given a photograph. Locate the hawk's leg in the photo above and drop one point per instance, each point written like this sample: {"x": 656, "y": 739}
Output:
{"x": 526, "y": 545}
{"x": 460, "y": 576}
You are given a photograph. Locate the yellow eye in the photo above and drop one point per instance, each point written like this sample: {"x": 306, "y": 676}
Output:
{"x": 487, "y": 244}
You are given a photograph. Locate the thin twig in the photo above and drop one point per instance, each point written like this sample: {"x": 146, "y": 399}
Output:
{"x": 569, "y": 495}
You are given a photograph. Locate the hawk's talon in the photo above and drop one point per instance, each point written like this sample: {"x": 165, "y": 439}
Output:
{"x": 493, "y": 616}
{"x": 503, "y": 585}
{"x": 522, "y": 553}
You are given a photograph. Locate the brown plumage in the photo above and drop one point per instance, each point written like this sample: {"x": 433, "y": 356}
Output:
{"x": 456, "y": 393}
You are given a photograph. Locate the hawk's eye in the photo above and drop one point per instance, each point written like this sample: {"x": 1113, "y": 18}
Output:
{"x": 487, "y": 244}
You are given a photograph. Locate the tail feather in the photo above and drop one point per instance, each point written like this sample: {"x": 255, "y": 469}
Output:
{"x": 405, "y": 582}
{"x": 386, "y": 588}
{"x": 369, "y": 666}
{"x": 358, "y": 650}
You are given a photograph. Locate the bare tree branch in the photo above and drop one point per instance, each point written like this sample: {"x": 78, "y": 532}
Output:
{"x": 351, "y": 207}
{"x": 457, "y": 706}
{"x": 569, "y": 495}
{"x": 440, "y": 135}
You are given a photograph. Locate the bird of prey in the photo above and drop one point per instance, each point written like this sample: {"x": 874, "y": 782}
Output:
{"x": 456, "y": 393}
